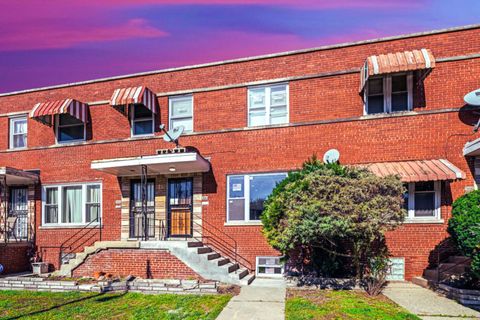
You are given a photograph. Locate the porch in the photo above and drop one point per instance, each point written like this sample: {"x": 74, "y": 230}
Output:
{"x": 17, "y": 204}
{"x": 161, "y": 194}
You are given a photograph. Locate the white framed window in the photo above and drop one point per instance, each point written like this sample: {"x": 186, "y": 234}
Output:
{"x": 268, "y": 105}
{"x": 180, "y": 112}
{"x": 69, "y": 128}
{"x": 269, "y": 267}
{"x": 423, "y": 200}
{"x": 390, "y": 93}
{"x": 247, "y": 193}
{"x": 18, "y": 132}
{"x": 71, "y": 204}
{"x": 143, "y": 121}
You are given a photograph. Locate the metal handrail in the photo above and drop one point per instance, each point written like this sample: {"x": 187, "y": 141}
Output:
{"x": 447, "y": 247}
{"x": 92, "y": 225}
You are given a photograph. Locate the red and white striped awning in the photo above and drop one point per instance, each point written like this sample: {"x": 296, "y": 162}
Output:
{"x": 422, "y": 59}
{"x": 415, "y": 171}
{"x": 43, "y": 112}
{"x": 134, "y": 95}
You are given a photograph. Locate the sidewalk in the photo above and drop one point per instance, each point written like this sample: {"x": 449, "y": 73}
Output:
{"x": 427, "y": 304}
{"x": 262, "y": 300}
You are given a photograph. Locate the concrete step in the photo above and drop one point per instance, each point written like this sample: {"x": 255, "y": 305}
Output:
{"x": 459, "y": 259}
{"x": 452, "y": 268}
{"x": 420, "y": 281}
{"x": 194, "y": 244}
{"x": 233, "y": 267}
{"x": 213, "y": 256}
{"x": 223, "y": 261}
{"x": 430, "y": 274}
{"x": 204, "y": 250}
{"x": 242, "y": 273}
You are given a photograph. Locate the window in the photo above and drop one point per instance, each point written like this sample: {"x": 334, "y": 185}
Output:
{"x": 268, "y": 105}
{"x": 142, "y": 121}
{"x": 18, "y": 133}
{"x": 75, "y": 204}
{"x": 247, "y": 194}
{"x": 423, "y": 200}
{"x": 69, "y": 128}
{"x": 181, "y": 112}
{"x": 269, "y": 267}
{"x": 391, "y": 93}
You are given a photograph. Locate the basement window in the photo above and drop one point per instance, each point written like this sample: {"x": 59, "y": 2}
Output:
{"x": 72, "y": 204}
{"x": 390, "y": 93}
{"x": 269, "y": 267}
{"x": 268, "y": 105}
{"x": 247, "y": 193}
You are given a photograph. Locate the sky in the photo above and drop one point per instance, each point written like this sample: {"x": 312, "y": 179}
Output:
{"x": 51, "y": 42}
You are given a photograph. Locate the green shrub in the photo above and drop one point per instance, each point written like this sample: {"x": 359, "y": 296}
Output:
{"x": 464, "y": 227}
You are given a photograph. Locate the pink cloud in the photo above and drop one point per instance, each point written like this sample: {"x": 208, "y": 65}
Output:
{"x": 49, "y": 36}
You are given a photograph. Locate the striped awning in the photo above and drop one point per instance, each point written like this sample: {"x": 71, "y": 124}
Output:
{"x": 422, "y": 59}
{"x": 45, "y": 111}
{"x": 134, "y": 95}
{"x": 414, "y": 171}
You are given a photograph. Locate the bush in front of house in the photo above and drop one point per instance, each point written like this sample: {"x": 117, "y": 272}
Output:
{"x": 464, "y": 227}
{"x": 336, "y": 211}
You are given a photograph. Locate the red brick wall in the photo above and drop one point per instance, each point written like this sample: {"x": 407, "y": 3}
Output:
{"x": 155, "y": 264}
{"x": 14, "y": 258}
{"x": 366, "y": 139}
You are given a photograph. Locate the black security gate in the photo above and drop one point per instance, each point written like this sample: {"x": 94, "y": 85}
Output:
{"x": 142, "y": 207}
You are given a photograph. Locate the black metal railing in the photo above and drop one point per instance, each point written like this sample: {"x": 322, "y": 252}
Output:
{"x": 444, "y": 251}
{"x": 85, "y": 236}
{"x": 16, "y": 227}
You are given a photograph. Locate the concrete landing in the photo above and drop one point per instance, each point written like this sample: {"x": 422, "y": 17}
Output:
{"x": 262, "y": 300}
{"x": 427, "y": 304}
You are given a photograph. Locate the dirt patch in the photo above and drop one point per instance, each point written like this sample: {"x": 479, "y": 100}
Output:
{"x": 229, "y": 289}
{"x": 315, "y": 296}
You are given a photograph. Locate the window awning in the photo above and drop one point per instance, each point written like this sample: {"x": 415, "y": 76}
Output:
{"x": 45, "y": 111}
{"x": 121, "y": 98}
{"x": 18, "y": 177}
{"x": 174, "y": 163}
{"x": 416, "y": 171}
{"x": 422, "y": 59}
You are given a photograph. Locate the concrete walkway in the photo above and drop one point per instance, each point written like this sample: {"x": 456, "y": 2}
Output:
{"x": 262, "y": 300}
{"x": 427, "y": 304}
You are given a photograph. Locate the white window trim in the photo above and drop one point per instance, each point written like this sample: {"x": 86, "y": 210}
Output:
{"x": 133, "y": 120}
{"x": 246, "y": 196}
{"x": 11, "y": 122}
{"x": 57, "y": 131}
{"x": 59, "y": 187}
{"x": 267, "y": 102}
{"x": 266, "y": 275}
{"x": 170, "y": 117}
{"x": 411, "y": 204}
{"x": 387, "y": 93}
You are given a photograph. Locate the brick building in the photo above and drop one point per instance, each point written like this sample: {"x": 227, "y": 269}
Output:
{"x": 86, "y": 163}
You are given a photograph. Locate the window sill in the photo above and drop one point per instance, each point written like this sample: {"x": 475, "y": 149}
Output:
{"x": 242, "y": 223}
{"x": 72, "y": 226}
{"x": 67, "y": 143}
{"x": 424, "y": 221}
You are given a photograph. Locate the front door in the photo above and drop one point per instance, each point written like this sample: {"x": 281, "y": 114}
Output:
{"x": 142, "y": 225}
{"x": 19, "y": 211}
{"x": 180, "y": 207}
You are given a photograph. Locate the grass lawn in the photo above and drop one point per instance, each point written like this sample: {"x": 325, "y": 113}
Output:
{"x": 327, "y": 304}
{"x": 76, "y": 305}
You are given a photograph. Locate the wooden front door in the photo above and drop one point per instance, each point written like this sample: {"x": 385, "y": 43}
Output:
{"x": 180, "y": 207}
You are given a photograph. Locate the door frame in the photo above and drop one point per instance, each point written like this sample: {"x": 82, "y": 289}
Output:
{"x": 133, "y": 181}
{"x": 169, "y": 212}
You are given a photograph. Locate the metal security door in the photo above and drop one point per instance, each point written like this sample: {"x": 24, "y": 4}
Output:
{"x": 142, "y": 226}
{"x": 19, "y": 210}
{"x": 180, "y": 208}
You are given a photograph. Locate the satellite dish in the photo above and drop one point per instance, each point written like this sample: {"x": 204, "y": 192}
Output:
{"x": 331, "y": 156}
{"x": 473, "y": 98}
{"x": 173, "y": 134}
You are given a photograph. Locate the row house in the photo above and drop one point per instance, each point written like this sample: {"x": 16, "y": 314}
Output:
{"x": 90, "y": 181}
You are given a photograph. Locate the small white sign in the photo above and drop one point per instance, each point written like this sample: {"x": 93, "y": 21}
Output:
{"x": 237, "y": 187}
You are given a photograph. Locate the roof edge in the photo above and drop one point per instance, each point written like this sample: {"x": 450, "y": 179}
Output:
{"x": 245, "y": 59}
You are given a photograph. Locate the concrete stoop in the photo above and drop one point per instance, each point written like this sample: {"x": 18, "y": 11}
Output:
{"x": 202, "y": 259}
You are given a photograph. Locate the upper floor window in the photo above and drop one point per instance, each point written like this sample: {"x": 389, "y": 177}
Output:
{"x": 18, "y": 132}
{"x": 181, "y": 112}
{"x": 71, "y": 204}
{"x": 268, "y": 105}
{"x": 69, "y": 128}
{"x": 390, "y": 93}
{"x": 143, "y": 121}
{"x": 247, "y": 193}
{"x": 423, "y": 200}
